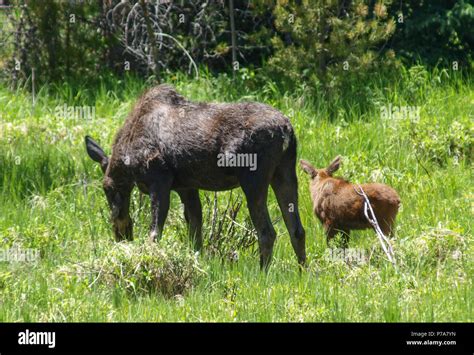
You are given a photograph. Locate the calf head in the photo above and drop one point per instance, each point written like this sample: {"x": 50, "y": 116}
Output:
{"x": 320, "y": 174}
{"x": 117, "y": 190}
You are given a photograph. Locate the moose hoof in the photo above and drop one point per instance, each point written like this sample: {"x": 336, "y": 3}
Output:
{"x": 153, "y": 236}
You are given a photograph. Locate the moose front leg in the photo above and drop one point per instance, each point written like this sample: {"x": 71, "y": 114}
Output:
{"x": 160, "y": 203}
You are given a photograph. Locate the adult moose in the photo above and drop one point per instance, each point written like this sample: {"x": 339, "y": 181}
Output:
{"x": 170, "y": 143}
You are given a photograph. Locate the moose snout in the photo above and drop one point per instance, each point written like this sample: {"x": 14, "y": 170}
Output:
{"x": 123, "y": 229}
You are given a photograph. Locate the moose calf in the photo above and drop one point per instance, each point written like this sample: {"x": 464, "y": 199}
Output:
{"x": 340, "y": 208}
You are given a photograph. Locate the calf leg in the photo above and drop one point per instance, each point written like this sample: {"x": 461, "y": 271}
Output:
{"x": 193, "y": 215}
{"x": 285, "y": 186}
{"x": 345, "y": 237}
{"x": 330, "y": 232}
{"x": 388, "y": 226}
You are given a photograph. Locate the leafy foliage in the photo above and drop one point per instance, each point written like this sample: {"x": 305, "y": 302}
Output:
{"x": 57, "y": 39}
{"x": 325, "y": 42}
{"x": 437, "y": 31}
{"x": 332, "y": 45}
{"x": 85, "y": 41}
{"x": 439, "y": 143}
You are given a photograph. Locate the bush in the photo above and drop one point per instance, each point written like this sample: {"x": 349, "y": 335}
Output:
{"x": 436, "y": 245}
{"x": 440, "y": 142}
{"x": 58, "y": 39}
{"x": 436, "y": 31}
{"x": 87, "y": 40}
{"x": 440, "y": 243}
{"x": 228, "y": 233}
{"x": 167, "y": 268}
{"x": 326, "y": 42}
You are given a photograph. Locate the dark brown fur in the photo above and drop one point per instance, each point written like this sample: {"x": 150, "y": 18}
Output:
{"x": 170, "y": 143}
{"x": 340, "y": 209}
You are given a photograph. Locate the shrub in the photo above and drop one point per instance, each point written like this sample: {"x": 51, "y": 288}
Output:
{"x": 435, "y": 245}
{"x": 440, "y": 243}
{"x": 435, "y": 31}
{"x": 439, "y": 142}
{"x": 328, "y": 43}
{"x": 228, "y": 234}
{"x": 87, "y": 40}
{"x": 167, "y": 268}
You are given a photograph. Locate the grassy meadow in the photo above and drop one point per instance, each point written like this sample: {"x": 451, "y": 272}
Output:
{"x": 51, "y": 200}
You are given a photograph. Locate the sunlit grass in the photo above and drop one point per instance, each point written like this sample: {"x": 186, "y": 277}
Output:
{"x": 51, "y": 200}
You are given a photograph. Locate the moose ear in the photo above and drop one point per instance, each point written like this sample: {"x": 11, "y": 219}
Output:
{"x": 308, "y": 168}
{"x": 334, "y": 166}
{"x": 96, "y": 153}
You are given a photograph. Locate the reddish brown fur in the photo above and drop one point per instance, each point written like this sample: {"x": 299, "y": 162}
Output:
{"x": 340, "y": 209}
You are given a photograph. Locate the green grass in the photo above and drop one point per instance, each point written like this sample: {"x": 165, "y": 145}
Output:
{"x": 51, "y": 200}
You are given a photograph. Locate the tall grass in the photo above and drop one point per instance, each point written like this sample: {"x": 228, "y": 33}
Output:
{"x": 51, "y": 200}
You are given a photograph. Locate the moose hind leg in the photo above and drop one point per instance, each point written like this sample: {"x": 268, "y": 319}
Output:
{"x": 285, "y": 187}
{"x": 255, "y": 188}
{"x": 193, "y": 215}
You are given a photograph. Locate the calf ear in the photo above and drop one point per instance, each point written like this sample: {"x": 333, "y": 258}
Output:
{"x": 308, "y": 168}
{"x": 96, "y": 153}
{"x": 335, "y": 164}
